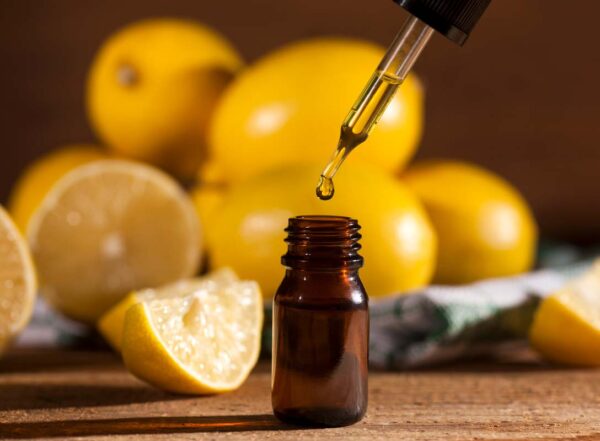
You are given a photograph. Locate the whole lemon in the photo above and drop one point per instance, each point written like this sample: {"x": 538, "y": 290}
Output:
{"x": 152, "y": 89}
{"x": 36, "y": 180}
{"x": 207, "y": 194}
{"x": 289, "y": 106}
{"x": 398, "y": 241}
{"x": 484, "y": 226}
{"x": 207, "y": 198}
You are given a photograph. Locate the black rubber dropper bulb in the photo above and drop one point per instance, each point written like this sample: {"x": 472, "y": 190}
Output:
{"x": 454, "y": 19}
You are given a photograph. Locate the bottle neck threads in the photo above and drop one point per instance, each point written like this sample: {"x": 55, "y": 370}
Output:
{"x": 322, "y": 243}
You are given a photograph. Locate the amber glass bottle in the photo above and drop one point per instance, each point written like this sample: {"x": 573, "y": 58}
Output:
{"x": 321, "y": 325}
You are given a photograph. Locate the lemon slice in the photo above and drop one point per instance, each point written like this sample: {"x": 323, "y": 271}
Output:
{"x": 110, "y": 324}
{"x": 17, "y": 281}
{"x": 205, "y": 338}
{"x": 108, "y": 228}
{"x": 566, "y": 327}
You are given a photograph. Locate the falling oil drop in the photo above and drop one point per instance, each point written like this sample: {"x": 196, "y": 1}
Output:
{"x": 325, "y": 188}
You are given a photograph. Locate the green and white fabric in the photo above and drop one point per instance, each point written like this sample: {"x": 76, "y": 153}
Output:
{"x": 443, "y": 323}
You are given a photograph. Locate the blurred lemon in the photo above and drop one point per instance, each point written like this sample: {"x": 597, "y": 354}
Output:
{"x": 288, "y": 107}
{"x": 37, "y": 179}
{"x": 207, "y": 199}
{"x": 108, "y": 228}
{"x": 398, "y": 241}
{"x": 17, "y": 281}
{"x": 484, "y": 227}
{"x": 208, "y": 193}
{"x": 152, "y": 89}
{"x": 566, "y": 326}
{"x": 111, "y": 323}
{"x": 195, "y": 337}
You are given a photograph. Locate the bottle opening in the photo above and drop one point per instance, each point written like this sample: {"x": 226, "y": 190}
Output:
{"x": 322, "y": 242}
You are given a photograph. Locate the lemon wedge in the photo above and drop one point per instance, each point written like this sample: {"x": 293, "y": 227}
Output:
{"x": 110, "y": 324}
{"x": 108, "y": 228}
{"x": 202, "y": 337}
{"x": 566, "y": 327}
{"x": 17, "y": 281}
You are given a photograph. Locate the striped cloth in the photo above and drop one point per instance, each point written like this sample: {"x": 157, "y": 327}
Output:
{"x": 441, "y": 323}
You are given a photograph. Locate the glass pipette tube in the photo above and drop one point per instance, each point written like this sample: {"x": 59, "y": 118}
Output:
{"x": 375, "y": 97}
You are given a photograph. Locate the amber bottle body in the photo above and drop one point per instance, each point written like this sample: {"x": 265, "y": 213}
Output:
{"x": 321, "y": 326}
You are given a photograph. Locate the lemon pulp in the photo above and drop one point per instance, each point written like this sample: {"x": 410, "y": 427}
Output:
{"x": 203, "y": 339}
{"x": 17, "y": 281}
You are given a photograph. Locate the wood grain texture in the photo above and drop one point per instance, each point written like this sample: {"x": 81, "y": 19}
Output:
{"x": 63, "y": 395}
{"x": 521, "y": 98}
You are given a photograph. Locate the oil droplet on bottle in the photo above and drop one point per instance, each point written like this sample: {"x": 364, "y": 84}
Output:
{"x": 325, "y": 188}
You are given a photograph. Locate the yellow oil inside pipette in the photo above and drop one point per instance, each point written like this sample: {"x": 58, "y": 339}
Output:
{"x": 356, "y": 127}
{"x": 375, "y": 97}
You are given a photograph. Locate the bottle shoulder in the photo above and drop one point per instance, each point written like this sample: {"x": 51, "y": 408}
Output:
{"x": 340, "y": 291}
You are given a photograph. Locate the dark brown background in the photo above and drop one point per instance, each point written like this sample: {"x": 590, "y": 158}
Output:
{"x": 521, "y": 98}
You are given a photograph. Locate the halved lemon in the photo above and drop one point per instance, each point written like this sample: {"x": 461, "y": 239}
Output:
{"x": 17, "y": 281}
{"x": 108, "y": 228}
{"x": 203, "y": 338}
{"x": 110, "y": 324}
{"x": 566, "y": 327}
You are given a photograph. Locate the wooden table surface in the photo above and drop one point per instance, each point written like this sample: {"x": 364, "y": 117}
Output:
{"x": 89, "y": 395}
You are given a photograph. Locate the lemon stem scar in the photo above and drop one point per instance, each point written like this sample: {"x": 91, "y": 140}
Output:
{"x": 127, "y": 75}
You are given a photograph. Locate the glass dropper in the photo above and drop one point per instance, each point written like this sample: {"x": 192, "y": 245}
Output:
{"x": 375, "y": 97}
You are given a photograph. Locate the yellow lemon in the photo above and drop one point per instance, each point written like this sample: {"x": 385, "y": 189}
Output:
{"x": 111, "y": 323}
{"x": 17, "y": 281}
{"x": 207, "y": 199}
{"x": 398, "y": 242}
{"x": 566, "y": 326}
{"x": 207, "y": 195}
{"x": 37, "y": 179}
{"x": 484, "y": 227}
{"x": 288, "y": 107}
{"x": 107, "y": 228}
{"x": 201, "y": 338}
{"x": 152, "y": 89}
